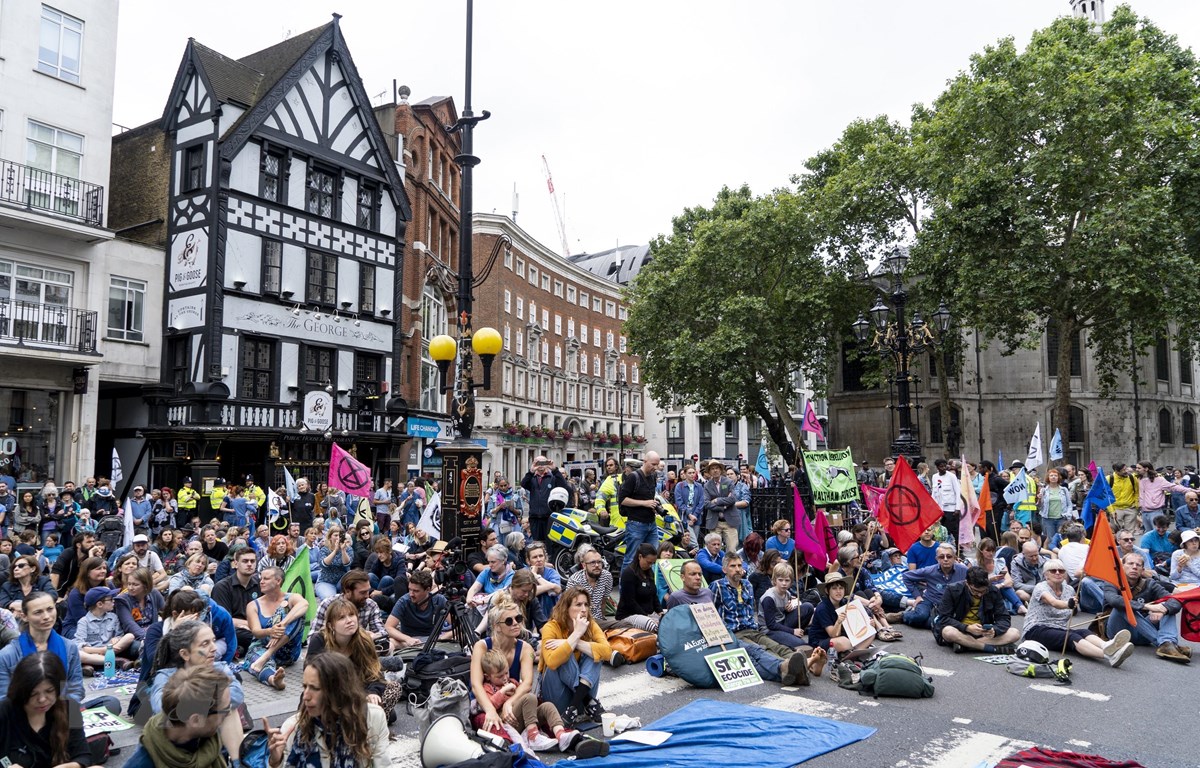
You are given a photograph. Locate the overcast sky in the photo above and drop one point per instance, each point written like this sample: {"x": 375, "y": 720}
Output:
{"x": 641, "y": 107}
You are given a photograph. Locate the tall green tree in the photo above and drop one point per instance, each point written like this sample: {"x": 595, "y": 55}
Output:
{"x": 735, "y": 301}
{"x": 1064, "y": 190}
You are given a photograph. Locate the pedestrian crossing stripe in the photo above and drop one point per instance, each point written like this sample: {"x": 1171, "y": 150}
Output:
{"x": 801, "y": 705}
{"x": 624, "y": 690}
{"x": 1065, "y": 691}
{"x": 961, "y": 747}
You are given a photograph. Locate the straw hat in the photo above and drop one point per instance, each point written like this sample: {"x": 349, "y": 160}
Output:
{"x": 835, "y": 578}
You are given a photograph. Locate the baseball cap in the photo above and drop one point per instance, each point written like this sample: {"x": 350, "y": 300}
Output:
{"x": 96, "y": 594}
{"x": 891, "y": 551}
{"x": 141, "y": 539}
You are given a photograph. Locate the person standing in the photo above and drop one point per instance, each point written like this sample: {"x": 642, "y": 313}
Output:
{"x": 946, "y": 491}
{"x": 1124, "y": 485}
{"x": 689, "y": 501}
{"x": 606, "y": 504}
{"x": 303, "y": 505}
{"x": 538, "y": 482}
{"x": 722, "y": 516}
{"x": 639, "y": 506}
{"x": 383, "y": 505}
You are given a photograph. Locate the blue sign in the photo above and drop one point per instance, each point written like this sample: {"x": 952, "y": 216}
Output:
{"x": 418, "y": 427}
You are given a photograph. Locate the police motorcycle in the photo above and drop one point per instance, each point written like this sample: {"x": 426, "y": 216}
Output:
{"x": 571, "y": 528}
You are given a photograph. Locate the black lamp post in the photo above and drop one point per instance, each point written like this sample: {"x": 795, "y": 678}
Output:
{"x": 900, "y": 339}
{"x": 622, "y": 389}
{"x": 462, "y": 475}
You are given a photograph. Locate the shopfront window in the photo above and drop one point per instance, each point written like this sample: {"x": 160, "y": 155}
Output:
{"x": 28, "y": 435}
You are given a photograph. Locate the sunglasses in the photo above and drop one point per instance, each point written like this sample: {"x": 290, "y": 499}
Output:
{"x": 508, "y": 621}
{"x": 1056, "y": 570}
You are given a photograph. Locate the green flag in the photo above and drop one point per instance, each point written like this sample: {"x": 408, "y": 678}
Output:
{"x": 832, "y": 477}
{"x": 298, "y": 579}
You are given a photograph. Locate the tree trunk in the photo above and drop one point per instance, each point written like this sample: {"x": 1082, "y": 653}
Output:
{"x": 1062, "y": 390}
{"x": 783, "y": 408}
{"x": 778, "y": 433}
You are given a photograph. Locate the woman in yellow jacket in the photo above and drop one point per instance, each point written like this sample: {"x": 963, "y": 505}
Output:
{"x": 573, "y": 646}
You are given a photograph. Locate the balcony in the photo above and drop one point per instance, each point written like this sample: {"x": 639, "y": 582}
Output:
{"x": 38, "y": 190}
{"x": 48, "y": 326}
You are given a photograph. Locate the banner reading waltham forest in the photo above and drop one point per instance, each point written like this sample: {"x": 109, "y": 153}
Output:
{"x": 831, "y": 475}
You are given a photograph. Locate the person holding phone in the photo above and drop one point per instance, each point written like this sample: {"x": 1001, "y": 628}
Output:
{"x": 974, "y": 615}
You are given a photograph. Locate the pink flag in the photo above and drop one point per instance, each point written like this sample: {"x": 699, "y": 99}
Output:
{"x": 810, "y": 423}
{"x": 970, "y": 515}
{"x": 806, "y": 538}
{"x": 348, "y": 473}
{"x": 1092, "y": 468}
{"x": 873, "y": 496}
{"x": 826, "y": 535}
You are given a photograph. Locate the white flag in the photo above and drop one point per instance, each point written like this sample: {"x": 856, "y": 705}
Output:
{"x": 1035, "y": 458}
{"x": 115, "y": 476}
{"x": 431, "y": 518}
{"x": 128, "y": 519}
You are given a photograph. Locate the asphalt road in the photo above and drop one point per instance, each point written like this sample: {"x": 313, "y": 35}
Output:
{"x": 978, "y": 715}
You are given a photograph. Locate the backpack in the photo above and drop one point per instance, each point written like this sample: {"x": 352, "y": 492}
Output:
{"x": 683, "y": 648}
{"x": 1059, "y": 670}
{"x": 634, "y": 644}
{"x": 255, "y": 751}
{"x": 447, "y": 696}
{"x": 430, "y": 667}
{"x": 895, "y": 674}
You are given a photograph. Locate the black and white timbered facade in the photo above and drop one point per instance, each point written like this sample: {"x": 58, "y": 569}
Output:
{"x": 286, "y": 222}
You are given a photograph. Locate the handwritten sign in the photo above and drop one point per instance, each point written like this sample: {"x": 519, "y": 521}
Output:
{"x": 857, "y": 625}
{"x": 100, "y": 720}
{"x": 710, "y": 624}
{"x": 733, "y": 670}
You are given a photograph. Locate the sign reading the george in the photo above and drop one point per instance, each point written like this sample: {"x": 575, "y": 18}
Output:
{"x": 733, "y": 669}
{"x": 832, "y": 477}
{"x": 710, "y": 624}
{"x": 318, "y": 410}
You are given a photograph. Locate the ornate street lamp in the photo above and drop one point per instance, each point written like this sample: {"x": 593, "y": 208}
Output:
{"x": 893, "y": 337}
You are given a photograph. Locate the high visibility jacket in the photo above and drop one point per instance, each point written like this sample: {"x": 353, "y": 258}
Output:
{"x": 256, "y": 494}
{"x": 187, "y": 498}
{"x": 1029, "y": 503}
{"x": 606, "y": 498}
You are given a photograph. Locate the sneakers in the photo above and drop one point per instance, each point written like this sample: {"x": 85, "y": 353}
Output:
{"x": 542, "y": 742}
{"x": 571, "y": 717}
{"x": 958, "y": 648}
{"x": 1005, "y": 649}
{"x": 1115, "y": 644}
{"x": 795, "y": 669}
{"x": 567, "y": 740}
{"x": 593, "y": 710}
{"x": 589, "y": 747}
{"x": 1171, "y": 652}
{"x": 616, "y": 660}
{"x": 1118, "y": 657}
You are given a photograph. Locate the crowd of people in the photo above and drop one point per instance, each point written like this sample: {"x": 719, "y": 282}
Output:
{"x": 198, "y": 607}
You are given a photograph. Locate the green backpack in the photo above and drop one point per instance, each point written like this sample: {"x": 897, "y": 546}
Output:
{"x": 895, "y": 674}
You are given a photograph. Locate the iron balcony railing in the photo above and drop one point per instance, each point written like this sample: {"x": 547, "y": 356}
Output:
{"x": 48, "y": 325}
{"x": 40, "y": 190}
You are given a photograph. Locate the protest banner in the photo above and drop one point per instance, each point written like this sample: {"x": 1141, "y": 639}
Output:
{"x": 832, "y": 477}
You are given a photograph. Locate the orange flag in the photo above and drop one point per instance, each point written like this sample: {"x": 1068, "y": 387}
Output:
{"x": 1104, "y": 563}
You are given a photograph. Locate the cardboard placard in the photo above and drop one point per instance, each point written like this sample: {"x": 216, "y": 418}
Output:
{"x": 710, "y": 624}
{"x": 857, "y": 625}
{"x": 733, "y": 669}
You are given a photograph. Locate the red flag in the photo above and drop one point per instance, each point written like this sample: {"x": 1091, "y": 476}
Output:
{"x": 806, "y": 537}
{"x": 907, "y": 508}
{"x": 1189, "y": 617}
{"x": 1104, "y": 563}
{"x": 348, "y": 473}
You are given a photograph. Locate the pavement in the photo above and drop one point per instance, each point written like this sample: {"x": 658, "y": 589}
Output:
{"x": 978, "y": 715}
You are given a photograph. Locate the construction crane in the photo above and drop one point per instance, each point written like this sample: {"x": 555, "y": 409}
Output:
{"x": 562, "y": 225}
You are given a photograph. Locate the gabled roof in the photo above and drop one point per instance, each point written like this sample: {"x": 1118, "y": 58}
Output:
{"x": 231, "y": 81}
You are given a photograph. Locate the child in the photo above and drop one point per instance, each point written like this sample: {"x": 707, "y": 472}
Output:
{"x": 500, "y": 689}
{"x": 52, "y": 549}
{"x": 100, "y": 629}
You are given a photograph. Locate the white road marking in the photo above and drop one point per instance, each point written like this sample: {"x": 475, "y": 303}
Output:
{"x": 405, "y": 752}
{"x": 869, "y": 703}
{"x": 1064, "y": 691}
{"x": 617, "y": 694}
{"x": 937, "y": 672}
{"x": 803, "y": 706}
{"x": 961, "y": 747}
{"x": 962, "y": 720}
{"x": 1079, "y": 743}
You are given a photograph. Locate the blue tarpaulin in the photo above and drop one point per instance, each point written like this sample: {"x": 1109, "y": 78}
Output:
{"x": 699, "y": 737}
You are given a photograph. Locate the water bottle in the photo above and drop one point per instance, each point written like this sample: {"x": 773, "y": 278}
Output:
{"x": 110, "y": 663}
{"x": 833, "y": 660}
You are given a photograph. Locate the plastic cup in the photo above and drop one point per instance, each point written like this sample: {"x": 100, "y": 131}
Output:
{"x": 608, "y": 722}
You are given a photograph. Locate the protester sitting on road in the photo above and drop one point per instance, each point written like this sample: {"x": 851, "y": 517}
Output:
{"x": 92, "y": 573}
{"x": 573, "y": 647}
{"x": 734, "y": 600}
{"x": 1158, "y": 541}
{"x": 276, "y": 620}
{"x": 694, "y": 591}
{"x": 711, "y": 557}
{"x": 516, "y": 657}
{"x": 928, "y": 584}
{"x": 998, "y": 575}
{"x": 336, "y": 725}
{"x": 594, "y": 578}
{"x": 826, "y": 631}
{"x": 139, "y": 605}
{"x": 337, "y": 556}
{"x": 762, "y": 576}
{"x": 1187, "y": 515}
{"x": 193, "y": 575}
{"x": 100, "y": 630}
{"x": 279, "y": 553}
{"x": 923, "y": 552}
{"x": 411, "y": 619}
{"x": 384, "y": 568}
{"x": 1050, "y": 609}
{"x": 497, "y": 576}
{"x": 637, "y": 604}
{"x": 39, "y": 635}
{"x": 196, "y": 704}
{"x": 973, "y": 615}
{"x": 1185, "y": 563}
{"x": 26, "y": 578}
{"x": 784, "y": 615}
{"x": 1028, "y": 569}
{"x": 781, "y": 539}
{"x": 520, "y": 592}
{"x": 751, "y": 551}
{"x": 42, "y": 727}
{"x": 342, "y": 634}
{"x": 234, "y": 593}
{"x": 549, "y": 581}
{"x": 1157, "y": 622}
{"x": 1073, "y": 552}
{"x": 355, "y": 587}
{"x": 192, "y": 644}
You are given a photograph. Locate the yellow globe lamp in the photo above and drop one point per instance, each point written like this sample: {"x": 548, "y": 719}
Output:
{"x": 443, "y": 348}
{"x": 487, "y": 344}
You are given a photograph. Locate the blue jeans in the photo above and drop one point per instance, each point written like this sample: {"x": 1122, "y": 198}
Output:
{"x": 767, "y": 663}
{"x": 558, "y": 685}
{"x": 1148, "y": 516}
{"x": 1014, "y": 600}
{"x": 1050, "y": 527}
{"x": 1146, "y": 632}
{"x": 918, "y": 615}
{"x": 324, "y": 589}
{"x": 1091, "y": 596}
{"x": 636, "y": 534}
{"x": 383, "y": 585}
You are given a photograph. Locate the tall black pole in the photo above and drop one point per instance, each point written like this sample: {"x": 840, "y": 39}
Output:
{"x": 906, "y": 441}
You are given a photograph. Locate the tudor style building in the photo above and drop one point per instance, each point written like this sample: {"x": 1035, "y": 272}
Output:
{"x": 285, "y": 215}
